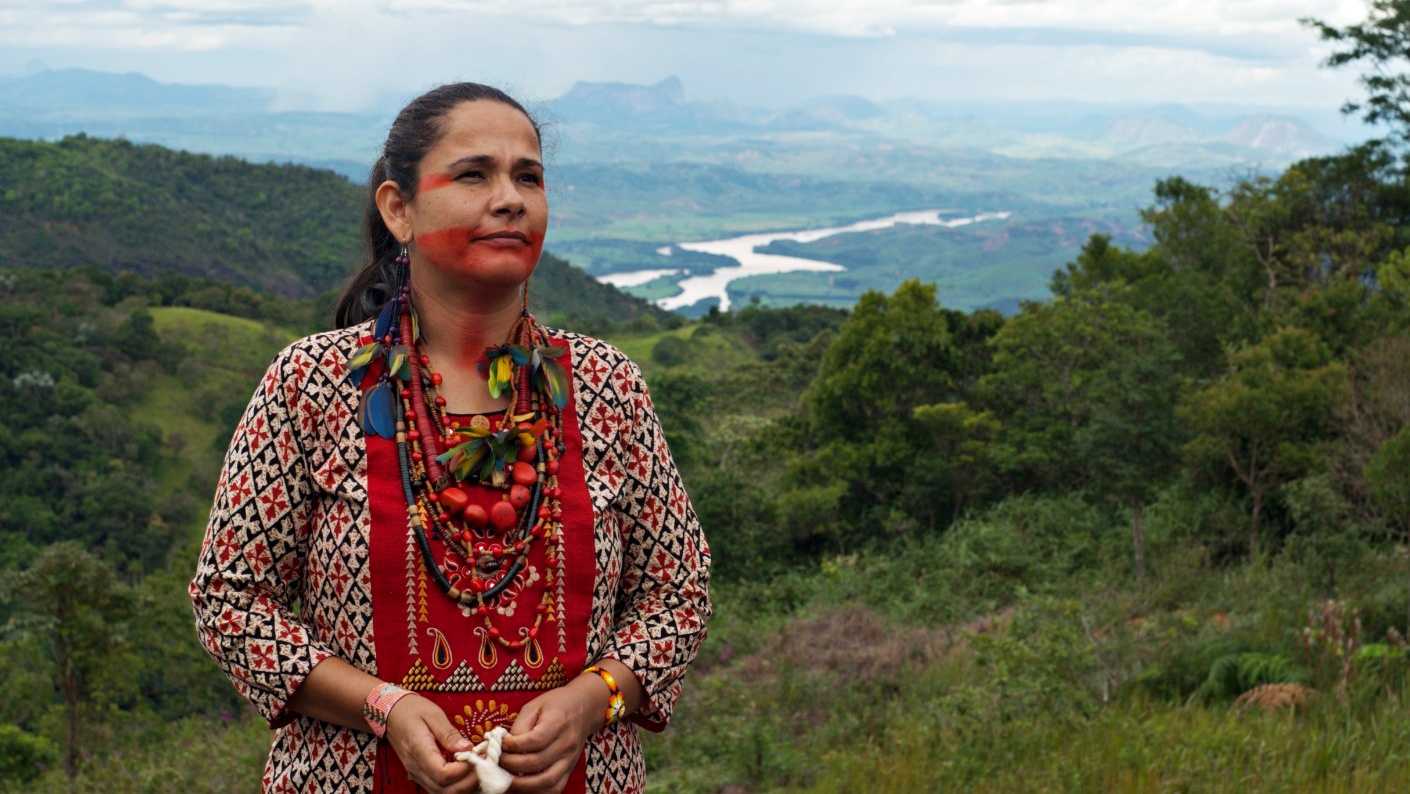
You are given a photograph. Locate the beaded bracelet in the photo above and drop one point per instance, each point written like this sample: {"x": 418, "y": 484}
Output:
{"x": 378, "y": 706}
{"x": 616, "y": 704}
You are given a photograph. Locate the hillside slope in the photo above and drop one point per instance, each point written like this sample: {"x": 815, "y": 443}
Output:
{"x": 283, "y": 229}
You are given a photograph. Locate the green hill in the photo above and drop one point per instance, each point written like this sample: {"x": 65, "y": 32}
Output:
{"x": 288, "y": 230}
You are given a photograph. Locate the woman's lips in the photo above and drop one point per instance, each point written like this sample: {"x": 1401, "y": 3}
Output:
{"x": 501, "y": 239}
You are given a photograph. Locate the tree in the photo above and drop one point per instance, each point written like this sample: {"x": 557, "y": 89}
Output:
{"x": 1084, "y": 390}
{"x": 892, "y": 354}
{"x": 1263, "y": 420}
{"x": 73, "y": 604}
{"x": 1388, "y": 473}
{"x": 1196, "y": 279}
{"x": 1382, "y": 44}
{"x": 964, "y": 444}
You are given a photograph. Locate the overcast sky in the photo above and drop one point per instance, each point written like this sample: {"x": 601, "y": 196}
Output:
{"x": 344, "y": 54}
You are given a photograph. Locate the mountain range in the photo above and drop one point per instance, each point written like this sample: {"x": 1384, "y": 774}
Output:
{"x": 591, "y": 117}
{"x": 640, "y": 168}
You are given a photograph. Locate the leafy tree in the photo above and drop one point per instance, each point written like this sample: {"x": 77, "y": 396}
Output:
{"x": 21, "y": 755}
{"x": 964, "y": 441}
{"x": 1132, "y": 435}
{"x": 1380, "y": 44}
{"x": 1388, "y": 473}
{"x": 72, "y": 603}
{"x": 1191, "y": 280}
{"x": 892, "y": 354}
{"x": 1264, "y": 419}
{"x": 1084, "y": 388}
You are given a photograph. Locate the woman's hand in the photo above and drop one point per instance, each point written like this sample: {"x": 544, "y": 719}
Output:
{"x": 422, "y": 737}
{"x": 547, "y": 739}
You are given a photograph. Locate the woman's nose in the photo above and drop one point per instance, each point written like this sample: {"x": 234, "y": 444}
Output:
{"x": 506, "y": 198}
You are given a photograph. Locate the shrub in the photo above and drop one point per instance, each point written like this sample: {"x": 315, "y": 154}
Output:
{"x": 23, "y": 755}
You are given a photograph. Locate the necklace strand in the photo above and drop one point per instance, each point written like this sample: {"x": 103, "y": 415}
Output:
{"x": 435, "y": 496}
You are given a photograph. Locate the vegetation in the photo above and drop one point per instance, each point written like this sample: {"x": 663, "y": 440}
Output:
{"x": 1147, "y": 535}
{"x": 236, "y": 227}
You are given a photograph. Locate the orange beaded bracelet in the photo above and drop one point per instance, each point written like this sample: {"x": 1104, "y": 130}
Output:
{"x": 616, "y": 703}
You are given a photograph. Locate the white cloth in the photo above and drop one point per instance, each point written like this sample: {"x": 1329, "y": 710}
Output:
{"x": 485, "y": 758}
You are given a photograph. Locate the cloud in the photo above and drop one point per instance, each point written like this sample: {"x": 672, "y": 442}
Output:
{"x": 341, "y": 54}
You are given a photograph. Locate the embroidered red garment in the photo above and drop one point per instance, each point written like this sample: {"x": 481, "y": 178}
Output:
{"x": 284, "y": 580}
{"x": 429, "y": 644}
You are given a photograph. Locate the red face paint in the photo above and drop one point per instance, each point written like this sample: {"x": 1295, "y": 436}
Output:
{"x": 473, "y": 252}
{"x": 433, "y": 182}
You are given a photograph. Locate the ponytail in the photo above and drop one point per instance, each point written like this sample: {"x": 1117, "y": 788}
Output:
{"x": 378, "y": 274}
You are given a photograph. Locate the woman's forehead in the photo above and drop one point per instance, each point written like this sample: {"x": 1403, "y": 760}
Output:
{"x": 496, "y": 128}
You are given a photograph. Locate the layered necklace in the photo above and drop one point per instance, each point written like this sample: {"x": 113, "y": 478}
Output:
{"x": 442, "y": 462}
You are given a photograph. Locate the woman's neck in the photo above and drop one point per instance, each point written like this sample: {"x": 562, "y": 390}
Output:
{"x": 456, "y": 328}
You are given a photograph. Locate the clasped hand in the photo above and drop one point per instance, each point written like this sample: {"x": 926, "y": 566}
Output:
{"x": 542, "y": 747}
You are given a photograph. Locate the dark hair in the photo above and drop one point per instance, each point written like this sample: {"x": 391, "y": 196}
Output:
{"x": 416, "y": 129}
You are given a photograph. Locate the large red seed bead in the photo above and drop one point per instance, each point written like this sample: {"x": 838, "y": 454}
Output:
{"x": 519, "y": 496}
{"x": 502, "y": 515}
{"x": 526, "y": 453}
{"x": 524, "y": 474}
{"x": 477, "y": 516}
{"x": 553, "y": 467}
{"x": 454, "y": 501}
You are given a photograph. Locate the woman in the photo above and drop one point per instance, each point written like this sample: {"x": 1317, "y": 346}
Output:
{"x": 442, "y": 518}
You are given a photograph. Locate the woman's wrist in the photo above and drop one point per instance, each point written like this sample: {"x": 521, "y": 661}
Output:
{"x": 616, "y": 707}
{"x": 377, "y": 707}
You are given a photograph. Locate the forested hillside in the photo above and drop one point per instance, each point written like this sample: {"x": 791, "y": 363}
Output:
{"x": 284, "y": 230}
{"x": 1148, "y": 535}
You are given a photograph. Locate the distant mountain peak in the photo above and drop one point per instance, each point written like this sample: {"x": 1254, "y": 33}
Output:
{"x": 124, "y": 92}
{"x": 1280, "y": 135}
{"x": 633, "y": 100}
{"x": 1131, "y": 132}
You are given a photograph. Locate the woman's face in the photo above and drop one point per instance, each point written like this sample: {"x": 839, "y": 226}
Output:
{"x": 480, "y": 212}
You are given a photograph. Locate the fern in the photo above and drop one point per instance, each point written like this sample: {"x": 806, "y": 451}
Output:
{"x": 1233, "y": 674}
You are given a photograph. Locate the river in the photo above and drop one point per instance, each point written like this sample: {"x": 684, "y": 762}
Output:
{"x": 753, "y": 263}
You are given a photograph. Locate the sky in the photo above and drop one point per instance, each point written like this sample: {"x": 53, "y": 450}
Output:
{"x": 348, "y": 55}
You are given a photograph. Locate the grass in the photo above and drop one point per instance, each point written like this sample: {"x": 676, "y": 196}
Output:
{"x": 919, "y": 672}
{"x": 225, "y": 355}
{"x": 196, "y": 755}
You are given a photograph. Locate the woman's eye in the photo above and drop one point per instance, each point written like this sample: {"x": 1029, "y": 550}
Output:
{"x": 471, "y": 175}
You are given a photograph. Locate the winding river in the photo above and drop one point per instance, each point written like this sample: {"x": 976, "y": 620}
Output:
{"x": 753, "y": 263}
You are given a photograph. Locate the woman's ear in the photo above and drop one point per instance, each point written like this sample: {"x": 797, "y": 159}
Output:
{"x": 395, "y": 210}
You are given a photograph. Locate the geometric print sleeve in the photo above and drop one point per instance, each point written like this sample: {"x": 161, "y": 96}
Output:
{"x": 663, "y": 596}
{"x": 250, "y": 573}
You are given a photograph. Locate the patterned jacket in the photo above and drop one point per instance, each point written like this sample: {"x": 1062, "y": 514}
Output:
{"x": 282, "y": 582}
